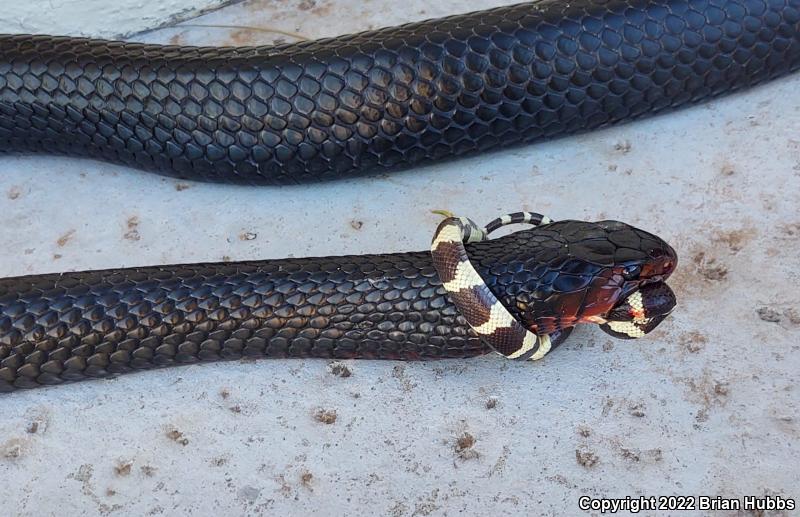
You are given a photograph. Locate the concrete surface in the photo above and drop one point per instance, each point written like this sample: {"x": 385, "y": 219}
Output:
{"x": 707, "y": 404}
{"x": 97, "y": 18}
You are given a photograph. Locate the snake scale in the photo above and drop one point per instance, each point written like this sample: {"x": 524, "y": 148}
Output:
{"x": 388, "y": 98}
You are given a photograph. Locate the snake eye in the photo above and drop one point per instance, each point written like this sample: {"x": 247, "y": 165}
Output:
{"x": 631, "y": 272}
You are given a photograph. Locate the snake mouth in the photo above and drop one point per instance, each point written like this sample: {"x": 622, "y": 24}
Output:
{"x": 640, "y": 312}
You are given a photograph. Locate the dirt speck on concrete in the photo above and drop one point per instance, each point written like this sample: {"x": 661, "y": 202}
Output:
{"x": 326, "y": 416}
{"x": 32, "y": 428}
{"x": 339, "y": 369}
{"x": 176, "y": 39}
{"x": 623, "y": 146}
{"x": 177, "y": 437}
{"x": 709, "y": 267}
{"x": 65, "y": 238}
{"x": 219, "y": 461}
{"x": 240, "y": 37}
{"x": 735, "y": 240}
{"x": 307, "y": 5}
{"x": 306, "y": 478}
{"x": 693, "y": 341}
{"x": 123, "y": 468}
{"x": 707, "y": 392}
{"x": 630, "y": 454}
{"x": 727, "y": 169}
{"x": 248, "y": 236}
{"x": 286, "y": 488}
{"x": 790, "y": 229}
{"x": 721, "y": 389}
{"x": 427, "y": 504}
{"x": 132, "y": 229}
{"x": 465, "y": 441}
{"x": 11, "y": 449}
{"x": 148, "y": 470}
{"x": 180, "y": 187}
{"x": 248, "y": 494}
{"x": 491, "y": 403}
{"x": 399, "y": 373}
{"x": 84, "y": 477}
{"x": 356, "y": 224}
{"x": 586, "y": 458}
{"x": 464, "y": 447}
{"x": 768, "y": 314}
{"x": 14, "y": 193}
{"x": 607, "y": 407}
{"x": 637, "y": 410}
{"x": 398, "y": 509}
{"x": 637, "y": 455}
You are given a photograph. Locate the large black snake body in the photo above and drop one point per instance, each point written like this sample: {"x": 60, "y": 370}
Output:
{"x": 387, "y": 98}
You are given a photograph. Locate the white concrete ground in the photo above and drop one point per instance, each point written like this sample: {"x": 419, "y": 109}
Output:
{"x": 96, "y": 18}
{"x": 706, "y": 405}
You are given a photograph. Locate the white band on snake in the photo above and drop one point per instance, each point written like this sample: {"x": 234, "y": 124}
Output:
{"x": 484, "y": 312}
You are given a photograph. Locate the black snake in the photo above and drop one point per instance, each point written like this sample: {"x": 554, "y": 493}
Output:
{"x": 519, "y": 295}
{"x": 388, "y": 98}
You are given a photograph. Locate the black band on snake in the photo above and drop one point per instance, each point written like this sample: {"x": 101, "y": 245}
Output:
{"x": 487, "y": 315}
{"x": 519, "y": 295}
{"x": 389, "y": 98}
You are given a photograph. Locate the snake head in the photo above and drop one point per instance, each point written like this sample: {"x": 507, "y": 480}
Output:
{"x": 642, "y": 264}
{"x": 605, "y": 272}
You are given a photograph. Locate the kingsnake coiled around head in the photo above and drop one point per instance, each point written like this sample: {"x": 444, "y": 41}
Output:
{"x": 483, "y": 311}
{"x": 388, "y": 98}
{"x": 519, "y": 295}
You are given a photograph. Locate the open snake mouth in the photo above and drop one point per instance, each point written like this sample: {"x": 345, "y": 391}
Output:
{"x": 640, "y": 312}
